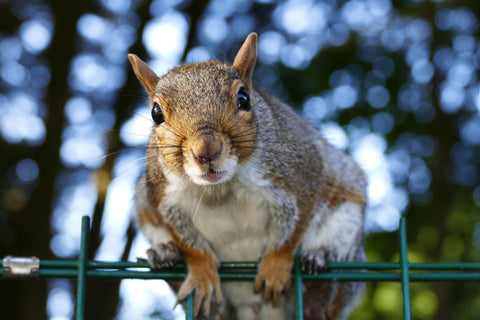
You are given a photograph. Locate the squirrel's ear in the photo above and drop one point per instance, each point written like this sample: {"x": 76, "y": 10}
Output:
{"x": 143, "y": 72}
{"x": 246, "y": 57}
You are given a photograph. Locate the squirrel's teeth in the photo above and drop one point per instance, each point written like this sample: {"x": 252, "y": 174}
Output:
{"x": 213, "y": 176}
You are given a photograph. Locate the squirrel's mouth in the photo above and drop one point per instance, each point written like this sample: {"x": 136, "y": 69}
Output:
{"x": 213, "y": 176}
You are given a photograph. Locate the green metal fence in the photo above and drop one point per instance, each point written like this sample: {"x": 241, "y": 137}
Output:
{"x": 401, "y": 271}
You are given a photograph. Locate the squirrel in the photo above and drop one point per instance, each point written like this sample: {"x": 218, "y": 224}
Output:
{"x": 234, "y": 174}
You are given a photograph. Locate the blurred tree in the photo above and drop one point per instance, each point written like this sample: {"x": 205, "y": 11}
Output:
{"x": 393, "y": 82}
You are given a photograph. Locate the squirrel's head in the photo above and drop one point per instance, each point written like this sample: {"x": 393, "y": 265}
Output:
{"x": 204, "y": 125}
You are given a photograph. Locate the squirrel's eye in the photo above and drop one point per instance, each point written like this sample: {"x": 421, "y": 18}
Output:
{"x": 157, "y": 114}
{"x": 243, "y": 100}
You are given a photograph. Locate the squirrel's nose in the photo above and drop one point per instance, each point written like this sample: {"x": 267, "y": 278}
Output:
{"x": 207, "y": 148}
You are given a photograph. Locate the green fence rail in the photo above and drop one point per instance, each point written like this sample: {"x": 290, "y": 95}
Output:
{"x": 402, "y": 271}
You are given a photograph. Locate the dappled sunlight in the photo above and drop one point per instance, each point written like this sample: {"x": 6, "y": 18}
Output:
{"x": 75, "y": 200}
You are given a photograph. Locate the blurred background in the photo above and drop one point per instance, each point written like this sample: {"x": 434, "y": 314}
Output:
{"x": 392, "y": 82}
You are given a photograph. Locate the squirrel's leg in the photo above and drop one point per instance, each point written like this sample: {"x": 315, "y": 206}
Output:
{"x": 164, "y": 254}
{"x": 202, "y": 278}
{"x": 164, "y": 251}
{"x": 335, "y": 235}
{"x": 274, "y": 273}
{"x": 275, "y": 268}
{"x": 170, "y": 247}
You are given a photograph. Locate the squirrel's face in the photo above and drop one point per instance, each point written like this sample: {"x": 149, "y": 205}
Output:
{"x": 203, "y": 122}
{"x": 204, "y": 125}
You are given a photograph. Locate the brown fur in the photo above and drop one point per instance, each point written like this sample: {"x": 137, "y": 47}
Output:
{"x": 334, "y": 193}
{"x": 147, "y": 215}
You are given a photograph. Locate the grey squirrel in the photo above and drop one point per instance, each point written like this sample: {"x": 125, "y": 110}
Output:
{"x": 234, "y": 174}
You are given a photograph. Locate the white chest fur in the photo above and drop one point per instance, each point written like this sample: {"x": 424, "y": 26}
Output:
{"x": 239, "y": 230}
{"x": 237, "y": 221}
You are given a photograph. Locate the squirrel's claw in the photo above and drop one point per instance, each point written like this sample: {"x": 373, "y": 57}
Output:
{"x": 274, "y": 273}
{"x": 273, "y": 295}
{"x": 164, "y": 255}
{"x": 314, "y": 261}
{"x": 205, "y": 285}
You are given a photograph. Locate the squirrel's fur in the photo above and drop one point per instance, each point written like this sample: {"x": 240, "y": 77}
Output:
{"x": 234, "y": 174}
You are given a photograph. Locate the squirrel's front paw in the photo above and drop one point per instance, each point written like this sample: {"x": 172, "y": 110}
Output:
{"x": 164, "y": 255}
{"x": 204, "y": 281}
{"x": 314, "y": 261}
{"x": 274, "y": 275}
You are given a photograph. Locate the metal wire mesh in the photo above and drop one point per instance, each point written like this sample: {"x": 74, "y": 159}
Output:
{"x": 401, "y": 271}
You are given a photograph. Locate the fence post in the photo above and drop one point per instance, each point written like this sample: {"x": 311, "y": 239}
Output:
{"x": 298, "y": 286}
{"x": 402, "y": 232}
{"x": 82, "y": 269}
{"x": 189, "y": 307}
